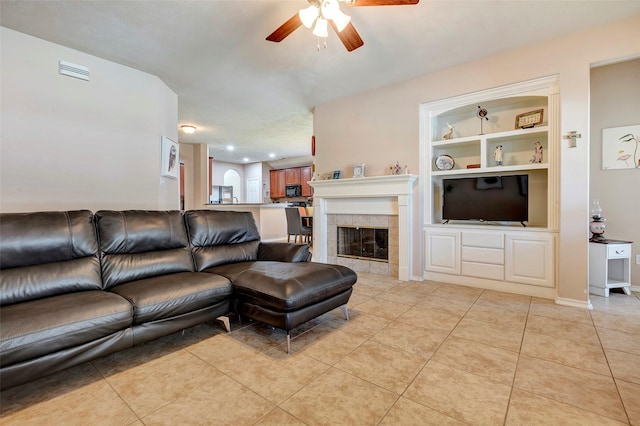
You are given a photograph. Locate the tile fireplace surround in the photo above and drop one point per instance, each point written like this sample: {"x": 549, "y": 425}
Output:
{"x": 389, "y": 222}
{"x": 368, "y": 196}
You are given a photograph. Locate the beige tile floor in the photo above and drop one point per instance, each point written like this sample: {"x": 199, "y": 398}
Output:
{"x": 414, "y": 353}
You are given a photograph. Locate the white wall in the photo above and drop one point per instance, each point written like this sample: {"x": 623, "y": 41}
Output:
{"x": 219, "y": 168}
{"x": 258, "y": 171}
{"x": 381, "y": 126}
{"x": 187, "y": 157}
{"x": 615, "y": 102}
{"x": 72, "y": 144}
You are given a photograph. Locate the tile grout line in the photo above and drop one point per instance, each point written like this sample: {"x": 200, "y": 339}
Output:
{"x": 615, "y": 382}
{"x": 515, "y": 371}
{"x": 430, "y": 359}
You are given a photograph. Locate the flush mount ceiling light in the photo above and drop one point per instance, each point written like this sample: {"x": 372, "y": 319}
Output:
{"x": 188, "y": 129}
{"x": 327, "y": 12}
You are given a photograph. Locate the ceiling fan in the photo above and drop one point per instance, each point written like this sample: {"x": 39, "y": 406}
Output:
{"x": 327, "y": 12}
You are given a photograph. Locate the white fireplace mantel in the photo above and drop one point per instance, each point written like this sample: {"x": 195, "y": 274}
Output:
{"x": 376, "y": 195}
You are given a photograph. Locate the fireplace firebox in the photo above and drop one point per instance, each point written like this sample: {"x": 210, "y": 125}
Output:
{"x": 363, "y": 243}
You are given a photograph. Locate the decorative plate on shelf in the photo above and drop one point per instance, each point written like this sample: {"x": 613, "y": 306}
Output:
{"x": 445, "y": 162}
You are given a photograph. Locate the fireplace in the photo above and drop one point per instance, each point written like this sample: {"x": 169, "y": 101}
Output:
{"x": 370, "y": 202}
{"x": 363, "y": 243}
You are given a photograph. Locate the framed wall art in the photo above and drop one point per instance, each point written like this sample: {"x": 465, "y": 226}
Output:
{"x": 621, "y": 148}
{"x": 529, "y": 119}
{"x": 170, "y": 158}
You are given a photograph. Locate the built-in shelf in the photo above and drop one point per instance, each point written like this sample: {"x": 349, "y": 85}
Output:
{"x": 518, "y": 149}
{"x": 492, "y": 169}
{"x": 494, "y": 255}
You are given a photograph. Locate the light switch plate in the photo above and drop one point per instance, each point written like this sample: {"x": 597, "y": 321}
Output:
{"x": 637, "y": 259}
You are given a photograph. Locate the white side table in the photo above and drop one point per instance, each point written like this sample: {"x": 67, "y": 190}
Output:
{"x": 609, "y": 266}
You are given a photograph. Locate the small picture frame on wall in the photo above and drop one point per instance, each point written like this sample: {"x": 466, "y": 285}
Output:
{"x": 620, "y": 148}
{"x": 170, "y": 159}
{"x": 336, "y": 174}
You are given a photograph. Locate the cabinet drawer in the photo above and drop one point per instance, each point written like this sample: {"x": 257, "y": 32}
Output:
{"x": 483, "y": 239}
{"x": 618, "y": 251}
{"x": 483, "y": 270}
{"x": 483, "y": 255}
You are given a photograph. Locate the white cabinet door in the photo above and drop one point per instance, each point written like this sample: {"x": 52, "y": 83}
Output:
{"x": 529, "y": 258}
{"x": 442, "y": 251}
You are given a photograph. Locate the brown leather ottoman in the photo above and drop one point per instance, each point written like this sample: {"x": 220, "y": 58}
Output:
{"x": 285, "y": 295}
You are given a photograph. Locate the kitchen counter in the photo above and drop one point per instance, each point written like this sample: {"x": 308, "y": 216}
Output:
{"x": 266, "y": 205}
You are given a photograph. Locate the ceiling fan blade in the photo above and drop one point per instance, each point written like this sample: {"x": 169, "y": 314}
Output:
{"x": 285, "y": 29}
{"x": 348, "y": 36}
{"x": 381, "y": 2}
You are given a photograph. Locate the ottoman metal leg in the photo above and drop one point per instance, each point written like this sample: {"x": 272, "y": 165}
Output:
{"x": 288, "y": 343}
{"x": 346, "y": 313}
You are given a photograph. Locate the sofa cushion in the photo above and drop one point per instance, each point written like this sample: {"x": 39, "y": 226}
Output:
{"x": 284, "y": 252}
{"x": 221, "y": 237}
{"x": 286, "y": 287}
{"x": 167, "y": 296}
{"x": 139, "y": 244}
{"x": 44, "y": 326}
{"x": 43, "y": 254}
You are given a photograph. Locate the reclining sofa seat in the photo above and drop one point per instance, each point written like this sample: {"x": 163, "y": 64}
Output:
{"x": 271, "y": 284}
{"x": 54, "y": 312}
{"x": 75, "y": 286}
{"x": 146, "y": 259}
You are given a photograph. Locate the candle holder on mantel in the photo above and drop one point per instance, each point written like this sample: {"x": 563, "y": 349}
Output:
{"x": 596, "y": 226}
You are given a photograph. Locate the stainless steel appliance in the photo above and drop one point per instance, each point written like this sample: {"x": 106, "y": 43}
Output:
{"x": 293, "y": 191}
{"x": 221, "y": 194}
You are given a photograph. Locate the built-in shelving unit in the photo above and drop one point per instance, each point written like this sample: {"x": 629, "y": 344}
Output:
{"x": 469, "y": 150}
{"x": 518, "y": 259}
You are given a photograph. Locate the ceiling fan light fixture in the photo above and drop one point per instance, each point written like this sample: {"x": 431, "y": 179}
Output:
{"x": 320, "y": 29}
{"x": 341, "y": 20}
{"x": 308, "y": 15}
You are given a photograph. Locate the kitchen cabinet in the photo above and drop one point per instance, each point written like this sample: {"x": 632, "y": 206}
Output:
{"x": 305, "y": 176}
{"x": 277, "y": 182}
{"x": 292, "y": 176}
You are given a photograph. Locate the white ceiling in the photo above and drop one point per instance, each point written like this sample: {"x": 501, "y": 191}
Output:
{"x": 239, "y": 89}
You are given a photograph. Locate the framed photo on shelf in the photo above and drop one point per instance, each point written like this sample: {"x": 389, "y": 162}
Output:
{"x": 170, "y": 158}
{"x": 529, "y": 119}
{"x": 358, "y": 171}
{"x": 336, "y": 174}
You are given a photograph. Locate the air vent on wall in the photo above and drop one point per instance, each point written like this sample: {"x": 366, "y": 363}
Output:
{"x": 73, "y": 70}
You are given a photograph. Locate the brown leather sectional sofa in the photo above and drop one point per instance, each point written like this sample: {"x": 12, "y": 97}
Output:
{"x": 75, "y": 285}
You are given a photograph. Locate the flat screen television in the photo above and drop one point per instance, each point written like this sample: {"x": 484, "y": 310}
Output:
{"x": 489, "y": 198}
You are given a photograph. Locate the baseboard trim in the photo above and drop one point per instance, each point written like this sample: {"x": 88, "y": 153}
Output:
{"x": 574, "y": 303}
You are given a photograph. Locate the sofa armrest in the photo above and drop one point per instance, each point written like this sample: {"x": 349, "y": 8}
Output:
{"x": 284, "y": 252}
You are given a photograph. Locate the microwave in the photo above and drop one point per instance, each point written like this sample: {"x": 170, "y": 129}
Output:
{"x": 293, "y": 191}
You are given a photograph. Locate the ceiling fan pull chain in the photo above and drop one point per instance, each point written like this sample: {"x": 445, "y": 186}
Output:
{"x": 324, "y": 43}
